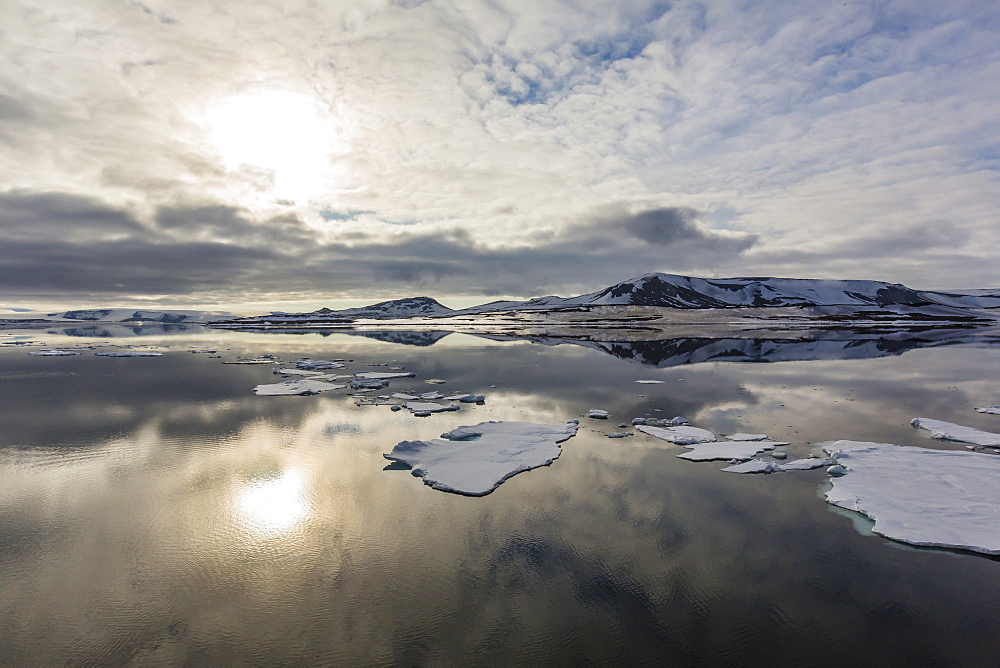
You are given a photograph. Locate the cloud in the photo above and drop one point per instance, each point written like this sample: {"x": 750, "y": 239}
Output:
{"x": 798, "y": 132}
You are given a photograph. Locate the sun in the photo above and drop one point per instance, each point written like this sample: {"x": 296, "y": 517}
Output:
{"x": 289, "y": 135}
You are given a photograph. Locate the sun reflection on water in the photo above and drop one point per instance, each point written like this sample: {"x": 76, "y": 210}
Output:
{"x": 274, "y": 505}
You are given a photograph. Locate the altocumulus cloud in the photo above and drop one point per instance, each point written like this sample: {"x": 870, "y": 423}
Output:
{"x": 495, "y": 147}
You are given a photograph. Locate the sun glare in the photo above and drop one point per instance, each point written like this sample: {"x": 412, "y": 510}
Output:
{"x": 288, "y": 134}
{"x": 274, "y": 505}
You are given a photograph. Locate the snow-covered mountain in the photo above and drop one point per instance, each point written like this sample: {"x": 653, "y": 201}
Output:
{"x": 409, "y": 307}
{"x": 120, "y": 315}
{"x": 675, "y": 291}
{"x": 685, "y": 292}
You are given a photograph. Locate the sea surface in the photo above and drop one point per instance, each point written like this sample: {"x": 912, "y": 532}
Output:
{"x": 155, "y": 511}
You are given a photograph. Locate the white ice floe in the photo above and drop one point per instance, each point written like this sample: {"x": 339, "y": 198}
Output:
{"x": 650, "y": 382}
{"x": 429, "y": 407}
{"x": 747, "y": 437}
{"x": 681, "y": 434}
{"x": 430, "y": 396}
{"x": 947, "y": 431}
{"x": 992, "y": 410}
{"x": 403, "y": 396}
{"x": 939, "y": 498}
{"x": 129, "y": 353}
{"x": 474, "y": 460}
{"x": 54, "y": 352}
{"x": 754, "y": 466}
{"x": 263, "y": 359}
{"x": 618, "y": 434}
{"x": 597, "y": 414}
{"x": 297, "y": 386}
{"x": 764, "y": 466}
{"x": 318, "y": 365}
{"x": 297, "y": 372}
{"x": 384, "y": 375}
{"x": 369, "y": 383}
{"x": 738, "y": 450}
{"x": 435, "y": 381}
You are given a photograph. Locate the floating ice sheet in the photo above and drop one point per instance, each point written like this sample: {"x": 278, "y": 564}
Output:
{"x": 428, "y": 407}
{"x": 921, "y": 496}
{"x": 474, "y": 460}
{"x": 650, "y": 382}
{"x": 747, "y": 437}
{"x": 297, "y": 372}
{"x": 296, "y": 386}
{"x": 384, "y": 375}
{"x": 129, "y": 353}
{"x": 263, "y": 359}
{"x": 992, "y": 410}
{"x": 764, "y": 466}
{"x": 947, "y": 431}
{"x": 739, "y": 450}
{"x": 54, "y": 352}
{"x": 681, "y": 435}
{"x": 318, "y": 365}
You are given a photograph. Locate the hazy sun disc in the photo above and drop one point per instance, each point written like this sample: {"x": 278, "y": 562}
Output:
{"x": 289, "y": 134}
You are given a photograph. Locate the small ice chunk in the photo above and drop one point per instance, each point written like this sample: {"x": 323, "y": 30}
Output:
{"x": 922, "y": 496}
{"x": 384, "y": 375}
{"x": 618, "y": 434}
{"x": 263, "y": 359}
{"x": 314, "y": 365}
{"x": 54, "y": 352}
{"x": 947, "y": 431}
{"x": 297, "y": 386}
{"x": 428, "y": 407}
{"x": 475, "y": 460}
{"x": 202, "y": 351}
{"x": 836, "y": 470}
{"x": 650, "y": 382}
{"x": 597, "y": 414}
{"x": 679, "y": 420}
{"x": 754, "y": 466}
{"x": 368, "y": 384}
{"x": 129, "y": 353}
{"x": 747, "y": 437}
{"x": 681, "y": 435}
{"x": 430, "y": 396}
{"x": 638, "y": 421}
{"x": 738, "y": 450}
{"x": 435, "y": 381}
{"x": 991, "y": 410}
{"x": 778, "y": 454}
{"x": 473, "y": 399}
{"x": 395, "y": 407}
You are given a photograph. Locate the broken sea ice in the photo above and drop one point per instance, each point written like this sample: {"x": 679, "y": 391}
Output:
{"x": 475, "y": 460}
{"x": 948, "y": 431}
{"x": 921, "y": 496}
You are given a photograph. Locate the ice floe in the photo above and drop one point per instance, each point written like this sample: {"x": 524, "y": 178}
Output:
{"x": 297, "y": 386}
{"x": 428, "y": 407}
{"x": 991, "y": 410}
{"x": 921, "y": 496}
{"x": 739, "y": 450}
{"x": 650, "y": 382}
{"x": 680, "y": 434}
{"x": 597, "y": 414}
{"x": 475, "y": 460}
{"x": 54, "y": 352}
{"x": 369, "y": 384}
{"x": 947, "y": 431}
{"x": 263, "y": 359}
{"x": 318, "y": 365}
{"x": 747, "y": 437}
{"x": 403, "y": 396}
{"x": 297, "y": 372}
{"x": 129, "y": 353}
{"x": 384, "y": 375}
{"x": 764, "y": 466}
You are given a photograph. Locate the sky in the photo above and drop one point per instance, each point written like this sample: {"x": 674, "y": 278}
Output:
{"x": 324, "y": 153}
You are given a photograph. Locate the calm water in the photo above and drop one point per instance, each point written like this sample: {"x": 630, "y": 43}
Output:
{"x": 156, "y": 511}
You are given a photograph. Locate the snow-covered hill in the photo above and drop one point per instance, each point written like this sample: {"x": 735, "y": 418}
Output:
{"x": 120, "y": 315}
